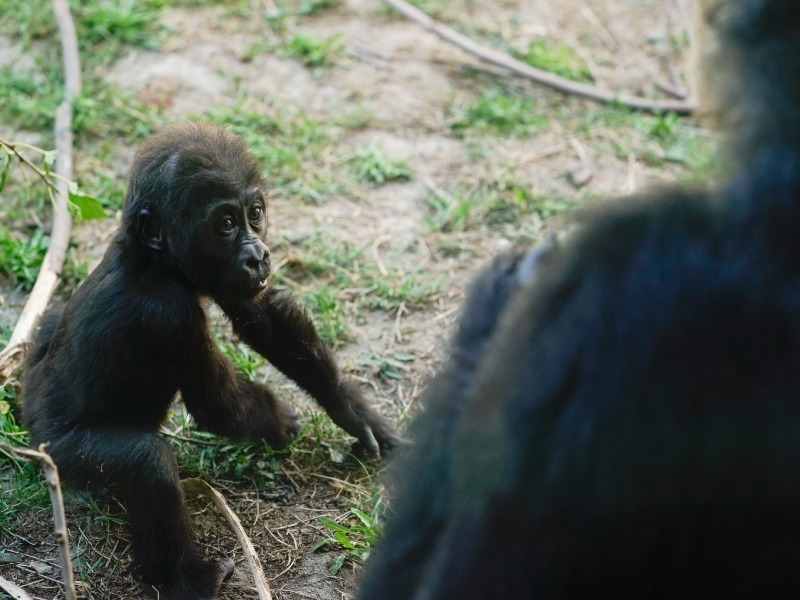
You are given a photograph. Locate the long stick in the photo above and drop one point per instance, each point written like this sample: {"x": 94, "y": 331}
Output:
{"x": 61, "y": 533}
{"x": 538, "y": 75}
{"x": 48, "y": 277}
{"x": 198, "y": 486}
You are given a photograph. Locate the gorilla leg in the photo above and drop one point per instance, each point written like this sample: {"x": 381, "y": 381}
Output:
{"x": 142, "y": 468}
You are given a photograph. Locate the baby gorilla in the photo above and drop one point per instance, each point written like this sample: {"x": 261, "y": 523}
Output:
{"x": 101, "y": 376}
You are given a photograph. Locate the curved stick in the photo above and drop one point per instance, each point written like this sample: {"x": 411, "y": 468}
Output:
{"x": 552, "y": 80}
{"x": 13, "y": 590}
{"x": 53, "y": 263}
{"x": 198, "y": 486}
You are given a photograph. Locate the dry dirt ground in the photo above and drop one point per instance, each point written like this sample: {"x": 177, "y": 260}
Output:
{"x": 397, "y": 88}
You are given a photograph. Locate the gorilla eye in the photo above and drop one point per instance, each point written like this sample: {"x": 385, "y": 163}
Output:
{"x": 256, "y": 213}
{"x": 226, "y": 225}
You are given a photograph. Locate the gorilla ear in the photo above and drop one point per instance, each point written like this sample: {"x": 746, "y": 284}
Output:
{"x": 150, "y": 233}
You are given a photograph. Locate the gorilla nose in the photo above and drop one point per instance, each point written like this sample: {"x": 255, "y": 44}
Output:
{"x": 256, "y": 259}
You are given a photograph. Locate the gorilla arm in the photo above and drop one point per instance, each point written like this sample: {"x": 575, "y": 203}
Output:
{"x": 224, "y": 402}
{"x": 280, "y": 330}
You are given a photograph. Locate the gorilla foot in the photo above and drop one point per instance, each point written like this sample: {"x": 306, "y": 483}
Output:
{"x": 198, "y": 579}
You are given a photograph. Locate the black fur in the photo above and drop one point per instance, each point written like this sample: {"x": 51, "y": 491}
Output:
{"x": 629, "y": 427}
{"x": 101, "y": 376}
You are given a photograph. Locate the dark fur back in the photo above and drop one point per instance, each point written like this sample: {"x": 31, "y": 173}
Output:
{"x": 41, "y": 341}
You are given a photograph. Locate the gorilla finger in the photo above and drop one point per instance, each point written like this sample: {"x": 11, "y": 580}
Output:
{"x": 369, "y": 441}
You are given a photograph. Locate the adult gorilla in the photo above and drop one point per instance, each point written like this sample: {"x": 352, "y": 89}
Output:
{"x": 628, "y": 425}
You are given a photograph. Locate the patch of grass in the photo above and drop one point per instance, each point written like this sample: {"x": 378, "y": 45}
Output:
{"x": 10, "y": 431}
{"x": 327, "y": 313}
{"x": 21, "y": 259}
{"x": 449, "y": 214}
{"x": 356, "y": 533}
{"x": 373, "y": 165}
{"x": 244, "y": 359}
{"x": 29, "y": 20}
{"x": 589, "y": 118}
{"x": 505, "y": 204}
{"x": 20, "y": 488}
{"x": 288, "y": 146}
{"x": 679, "y": 139}
{"x": 510, "y": 199}
{"x": 662, "y": 126}
{"x": 220, "y": 457}
{"x": 322, "y": 260}
{"x": 315, "y": 50}
{"x": 389, "y": 292}
{"x": 29, "y": 99}
{"x": 495, "y": 112}
{"x": 653, "y": 138}
{"x": 131, "y": 22}
{"x": 560, "y": 60}
{"x": 104, "y": 110}
{"x": 307, "y": 7}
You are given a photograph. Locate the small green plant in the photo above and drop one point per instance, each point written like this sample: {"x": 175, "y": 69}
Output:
{"x": 373, "y": 165}
{"x": 327, "y": 313}
{"x": 8, "y": 425}
{"x": 29, "y": 98}
{"x": 496, "y": 112}
{"x": 244, "y": 360}
{"x": 559, "y": 60}
{"x": 502, "y": 203}
{"x": 448, "y": 214}
{"x": 118, "y": 21}
{"x": 20, "y": 258}
{"x": 357, "y": 535}
{"x": 307, "y": 7}
{"x": 391, "y": 367}
{"x": 664, "y": 125}
{"x": 314, "y": 50}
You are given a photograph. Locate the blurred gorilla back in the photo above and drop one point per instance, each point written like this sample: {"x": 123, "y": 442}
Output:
{"x": 620, "y": 415}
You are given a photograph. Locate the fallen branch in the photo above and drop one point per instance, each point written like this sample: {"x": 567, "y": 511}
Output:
{"x": 198, "y": 486}
{"x": 61, "y": 534}
{"x": 53, "y": 263}
{"x": 538, "y": 75}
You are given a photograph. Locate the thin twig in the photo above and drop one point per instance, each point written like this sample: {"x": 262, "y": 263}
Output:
{"x": 61, "y": 534}
{"x": 189, "y": 440}
{"x": 375, "y": 254}
{"x": 44, "y": 176}
{"x": 53, "y": 263}
{"x": 198, "y": 486}
{"x": 538, "y": 75}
